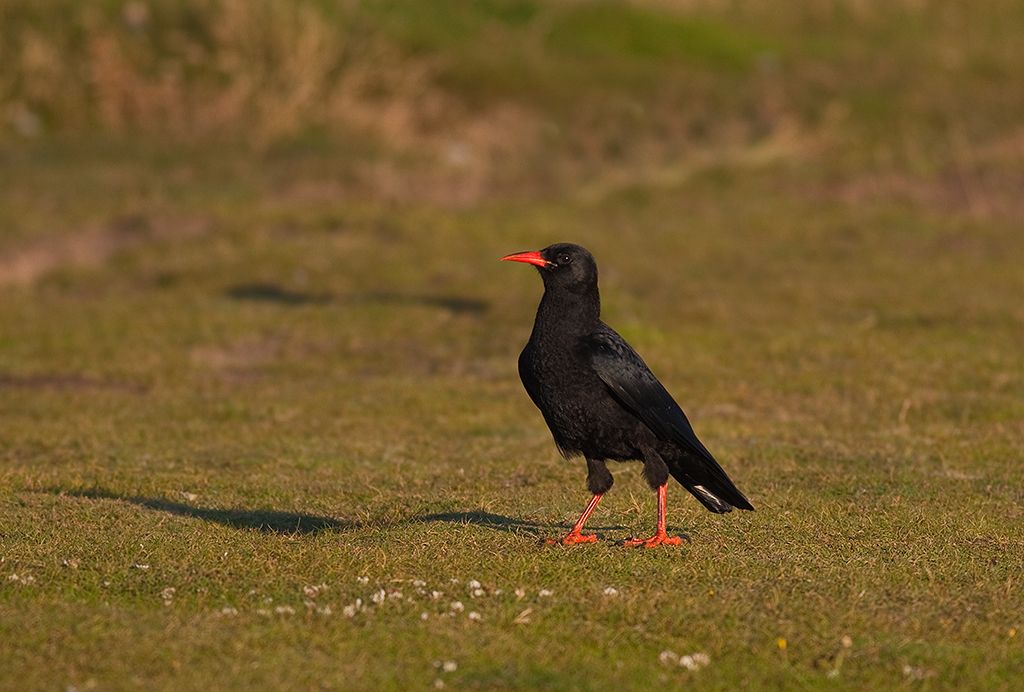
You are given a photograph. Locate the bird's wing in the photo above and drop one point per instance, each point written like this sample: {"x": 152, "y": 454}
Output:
{"x": 633, "y": 384}
{"x": 627, "y": 376}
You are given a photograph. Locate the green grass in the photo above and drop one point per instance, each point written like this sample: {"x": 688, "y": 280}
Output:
{"x": 239, "y": 391}
{"x": 609, "y": 31}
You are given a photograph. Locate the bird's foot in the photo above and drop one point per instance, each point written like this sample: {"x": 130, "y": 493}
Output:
{"x": 660, "y": 538}
{"x": 572, "y": 538}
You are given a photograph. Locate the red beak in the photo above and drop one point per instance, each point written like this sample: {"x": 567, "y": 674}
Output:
{"x": 528, "y": 257}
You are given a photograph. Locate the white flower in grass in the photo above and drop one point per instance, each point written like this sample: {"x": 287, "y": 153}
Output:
{"x": 284, "y": 610}
{"x": 363, "y": 580}
{"x": 263, "y": 611}
{"x": 449, "y": 666}
{"x": 474, "y": 616}
{"x": 395, "y": 595}
{"x": 476, "y": 593}
{"x": 168, "y": 595}
{"x": 353, "y": 608}
{"x": 611, "y": 591}
{"x": 457, "y": 606}
{"x": 314, "y": 591}
{"x": 436, "y": 594}
{"x": 694, "y": 661}
{"x": 229, "y": 611}
{"x": 520, "y": 593}
{"x": 917, "y": 672}
{"x": 473, "y": 584}
{"x": 438, "y": 684}
{"x": 544, "y": 593}
{"x": 379, "y": 596}
{"x": 139, "y": 565}
{"x": 324, "y": 610}
{"x": 424, "y": 615}
{"x": 419, "y": 583}
{"x": 668, "y": 657}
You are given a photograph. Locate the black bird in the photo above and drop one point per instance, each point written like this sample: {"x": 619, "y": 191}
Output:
{"x": 601, "y": 400}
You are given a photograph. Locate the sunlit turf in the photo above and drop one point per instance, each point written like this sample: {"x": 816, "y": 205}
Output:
{"x": 198, "y": 428}
{"x": 261, "y": 427}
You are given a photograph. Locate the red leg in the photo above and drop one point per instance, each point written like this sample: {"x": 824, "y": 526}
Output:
{"x": 575, "y": 536}
{"x": 660, "y": 537}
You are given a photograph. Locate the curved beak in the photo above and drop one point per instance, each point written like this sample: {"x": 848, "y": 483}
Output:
{"x": 528, "y": 257}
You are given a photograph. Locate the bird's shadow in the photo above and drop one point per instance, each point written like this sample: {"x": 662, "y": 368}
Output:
{"x": 262, "y": 520}
{"x": 272, "y": 521}
{"x": 498, "y": 522}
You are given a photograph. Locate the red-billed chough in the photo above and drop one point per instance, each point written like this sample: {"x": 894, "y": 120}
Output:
{"x": 601, "y": 400}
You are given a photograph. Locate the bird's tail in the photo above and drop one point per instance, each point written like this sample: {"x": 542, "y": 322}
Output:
{"x": 710, "y": 485}
{"x": 708, "y": 499}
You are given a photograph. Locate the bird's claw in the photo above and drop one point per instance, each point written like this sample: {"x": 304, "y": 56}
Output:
{"x": 655, "y": 540}
{"x": 572, "y": 538}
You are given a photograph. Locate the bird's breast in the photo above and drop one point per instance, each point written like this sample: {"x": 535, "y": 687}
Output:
{"x": 574, "y": 401}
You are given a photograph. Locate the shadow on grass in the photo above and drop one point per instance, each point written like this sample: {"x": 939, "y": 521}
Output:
{"x": 498, "y": 522}
{"x": 455, "y": 304}
{"x": 263, "y": 520}
{"x": 292, "y": 523}
{"x": 273, "y": 293}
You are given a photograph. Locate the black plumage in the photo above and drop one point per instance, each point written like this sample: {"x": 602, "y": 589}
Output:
{"x": 600, "y": 399}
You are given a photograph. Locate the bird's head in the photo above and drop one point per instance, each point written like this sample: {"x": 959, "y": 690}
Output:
{"x": 562, "y": 265}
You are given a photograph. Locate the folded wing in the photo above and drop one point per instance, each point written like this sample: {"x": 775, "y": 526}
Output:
{"x": 639, "y": 391}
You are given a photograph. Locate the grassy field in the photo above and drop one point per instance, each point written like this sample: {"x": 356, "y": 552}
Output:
{"x": 260, "y": 422}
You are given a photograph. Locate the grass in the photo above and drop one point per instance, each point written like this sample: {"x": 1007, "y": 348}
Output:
{"x": 241, "y": 388}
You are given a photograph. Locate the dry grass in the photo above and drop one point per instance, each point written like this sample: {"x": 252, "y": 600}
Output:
{"x": 264, "y": 67}
{"x": 523, "y": 98}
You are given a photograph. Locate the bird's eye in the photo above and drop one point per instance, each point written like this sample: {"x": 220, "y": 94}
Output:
{"x": 564, "y": 259}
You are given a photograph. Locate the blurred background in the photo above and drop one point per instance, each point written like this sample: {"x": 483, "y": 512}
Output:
{"x": 464, "y": 103}
{"x": 777, "y": 167}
